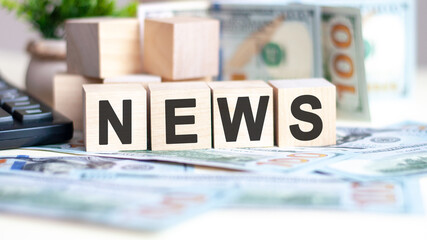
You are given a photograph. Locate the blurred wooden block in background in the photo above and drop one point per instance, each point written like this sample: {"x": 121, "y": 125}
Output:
{"x": 115, "y": 117}
{"x": 103, "y": 47}
{"x": 181, "y": 47}
{"x": 68, "y": 96}
{"x": 305, "y": 111}
{"x": 202, "y": 79}
{"x": 143, "y": 79}
{"x": 180, "y": 116}
{"x": 242, "y": 114}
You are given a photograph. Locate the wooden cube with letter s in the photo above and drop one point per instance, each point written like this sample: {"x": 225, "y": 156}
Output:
{"x": 305, "y": 112}
{"x": 115, "y": 117}
{"x": 180, "y": 115}
{"x": 242, "y": 114}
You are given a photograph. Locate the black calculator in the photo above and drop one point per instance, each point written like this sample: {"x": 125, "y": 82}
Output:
{"x": 25, "y": 121}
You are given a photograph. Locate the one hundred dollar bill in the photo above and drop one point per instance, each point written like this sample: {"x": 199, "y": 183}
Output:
{"x": 305, "y": 192}
{"x": 398, "y": 163}
{"x": 376, "y": 140}
{"x": 389, "y": 39}
{"x": 142, "y": 207}
{"x": 283, "y": 161}
{"x": 74, "y": 164}
{"x": 268, "y": 41}
{"x": 376, "y": 196}
{"x": 343, "y": 61}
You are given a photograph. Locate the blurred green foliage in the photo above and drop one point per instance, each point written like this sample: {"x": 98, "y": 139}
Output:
{"x": 48, "y": 16}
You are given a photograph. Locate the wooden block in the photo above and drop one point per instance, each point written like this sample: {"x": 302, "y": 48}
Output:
{"x": 143, "y": 79}
{"x": 305, "y": 111}
{"x": 181, "y": 47}
{"x": 203, "y": 79}
{"x": 115, "y": 117}
{"x": 68, "y": 96}
{"x": 180, "y": 116}
{"x": 242, "y": 114}
{"x": 103, "y": 47}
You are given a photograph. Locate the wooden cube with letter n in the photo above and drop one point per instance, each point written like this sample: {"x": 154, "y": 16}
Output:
{"x": 305, "y": 111}
{"x": 242, "y": 114}
{"x": 180, "y": 116}
{"x": 115, "y": 117}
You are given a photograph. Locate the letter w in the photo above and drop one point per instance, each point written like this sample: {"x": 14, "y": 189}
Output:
{"x": 107, "y": 114}
{"x": 243, "y": 106}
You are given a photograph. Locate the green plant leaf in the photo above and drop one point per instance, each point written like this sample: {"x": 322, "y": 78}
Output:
{"x": 49, "y": 16}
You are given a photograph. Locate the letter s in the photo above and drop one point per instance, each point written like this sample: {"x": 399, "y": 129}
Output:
{"x": 312, "y": 118}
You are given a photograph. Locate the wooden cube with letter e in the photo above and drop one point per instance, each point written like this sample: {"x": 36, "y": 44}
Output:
{"x": 242, "y": 114}
{"x": 180, "y": 116}
{"x": 181, "y": 48}
{"x": 305, "y": 111}
{"x": 115, "y": 117}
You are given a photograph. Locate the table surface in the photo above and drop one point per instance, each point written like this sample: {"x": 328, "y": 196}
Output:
{"x": 242, "y": 223}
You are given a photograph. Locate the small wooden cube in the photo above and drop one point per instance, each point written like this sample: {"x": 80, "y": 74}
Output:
{"x": 180, "y": 116}
{"x": 115, "y": 117}
{"x": 242, "y": 114}
{"x": 305, "y": 111}
{"x": 103, "y": 47}
{"x": 68, "y": 96}
{"x": 181, "y": 47}
{"x": 143, "y": 79}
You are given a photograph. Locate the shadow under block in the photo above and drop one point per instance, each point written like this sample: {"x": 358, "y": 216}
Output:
{"x": 103, "y": 47}
{"x": 242, "y": 114}
{"x": 180, "y": 116}
{"x": 115, "y": 117}
{"x": 68, "y": 96}
{"x": 305, "y": 111}
{"x": 143, "y": 79}
{"x": 181, "y": 47}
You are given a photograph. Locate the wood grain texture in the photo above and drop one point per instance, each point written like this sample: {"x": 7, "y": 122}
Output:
{"x": 115, "y": 94}
{"x": 232, "y": 90}
{"x": 285, "y": 92}
{"x": 103, "y": 47}
{"x": 143, "y": 79}
{"x": 160, "y": 92}
{"x": 181, "y": 47}
{"x": 68, "y": 96}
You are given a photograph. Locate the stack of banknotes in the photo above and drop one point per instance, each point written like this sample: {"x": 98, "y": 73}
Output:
{"x": 290, "y": 39}
{"x": 374, "y": 170}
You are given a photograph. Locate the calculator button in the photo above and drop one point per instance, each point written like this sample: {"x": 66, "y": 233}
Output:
{"x": 13, "y": 106}
{"x": 3, "y": 85}
{"x": 5, "y": 117}
{"x": 32, "y": 114}
{"x": 8, "y": 91}
{"x": 15, "y": 97}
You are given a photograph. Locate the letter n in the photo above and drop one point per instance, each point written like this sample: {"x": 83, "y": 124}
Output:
{"x": 107, "y": 114}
